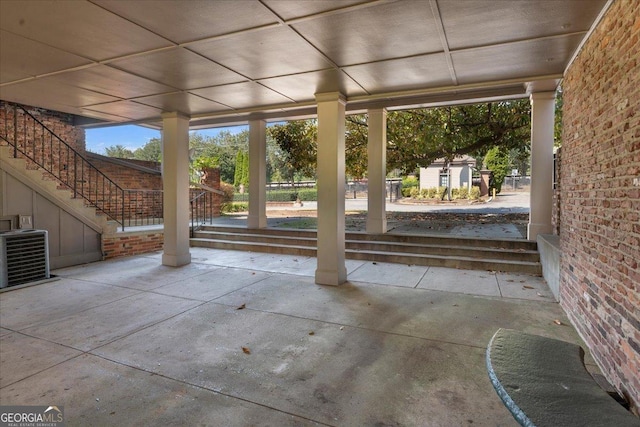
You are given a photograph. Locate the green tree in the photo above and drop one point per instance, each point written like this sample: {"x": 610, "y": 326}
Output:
{"x": 151, "y": 151}
{"x": 224, "y": 147}
{"x": 119, "y": 151}
{"x": 418, "y": 137}
{"x": 241, "y": 174}
{"x": 297, "y": 148}
{"x": 557, "y": 125}
{"x": 497, "y": 161}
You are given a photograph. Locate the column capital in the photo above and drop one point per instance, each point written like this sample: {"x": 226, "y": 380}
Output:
{"x": 377, "y": 110}
{"x": 542, "y": 95}
{"x": 175, "y": 115}
{"x": 331, "y": 96}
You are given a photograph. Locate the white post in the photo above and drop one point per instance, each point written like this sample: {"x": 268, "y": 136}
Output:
{"x": 377, "y": 171}
{"x": 175, "y": 183}
{"x": 541, "y": 196}
{"x": 331, "y": 268}
{"x": 257, "y": 174}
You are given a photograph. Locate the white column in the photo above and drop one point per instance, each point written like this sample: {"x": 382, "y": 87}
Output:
{"x": 257, "y": 174}
{"x": 541, "y": 196}
{"x": 175, "y": 183}
{"x": 377, "y": 172}
{"x": 331, "y": 268}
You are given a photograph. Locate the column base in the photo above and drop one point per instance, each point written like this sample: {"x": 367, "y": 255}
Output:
{"x": 176, "y": 260}
{"x": 376, "y": 225}
{"x": 534, "y": 229}
{"x": 331, "y": 277}
{"x": 257, "y": 221}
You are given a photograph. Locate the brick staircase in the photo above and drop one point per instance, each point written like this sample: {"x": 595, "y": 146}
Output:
{"x": 511, "y": 255}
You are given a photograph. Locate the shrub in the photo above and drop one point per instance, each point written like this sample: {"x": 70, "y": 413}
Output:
{"x": 308, "y": 194}
{"x": 410, "y": 181}
{"x": 432, "y": 193}
{"x": 406, "y": 192}
{"x": 442, "y": 192}
{"x": 475, "y": 193}
{"x": 414, "y": 192}
{"x": 463, "y": 193}
{"x": 455, "y": 193}
{"x": 424, "y": 193}
{"x": 235, "y": 207}
{"x": 228, "y": 190}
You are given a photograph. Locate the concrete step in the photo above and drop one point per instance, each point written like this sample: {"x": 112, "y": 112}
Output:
{"x": 454, "y": 252}
{"x": 417, "y": 246}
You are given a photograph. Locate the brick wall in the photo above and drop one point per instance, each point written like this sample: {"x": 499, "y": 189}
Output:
{"x": 128, "y": 178}
{"x": 600, "y": 216}
{"x": 132, "y": 243}
{"x": 62, "y": 124}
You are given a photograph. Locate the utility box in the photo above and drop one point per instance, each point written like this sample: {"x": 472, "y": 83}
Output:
{"x": 24, "y": 257}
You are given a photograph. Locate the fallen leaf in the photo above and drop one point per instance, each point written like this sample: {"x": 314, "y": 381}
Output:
{"x": 557, "y": 322}
{"x": 375, "y": 263}
{"x": 245, "y": 350}
{"x": 539, "y": 294}
{"x": 509, "y": 280}
{"x": 341, "y": 328}
{"x": 455, "y": 305}
{"x": 312, "y": 333}
{"x": 527, "y": 287}
{"x": 242, "y": 307}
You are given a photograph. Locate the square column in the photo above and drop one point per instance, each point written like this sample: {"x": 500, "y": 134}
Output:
{"x": 377, "y": 172}
{"x": 257, "y": 174}
{"x": 175, "y": 183}
{"x": 331, "y": 268}
{"x": 541, "y": 195}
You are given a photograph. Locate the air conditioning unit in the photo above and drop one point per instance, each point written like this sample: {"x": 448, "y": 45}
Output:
{"x": 24, "y": 257}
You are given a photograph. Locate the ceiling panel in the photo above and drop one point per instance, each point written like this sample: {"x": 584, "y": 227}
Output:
{"x": 303, "y": 87}
{"x": 77, "y": 27}
{"x": 288, "y": 9}
{"x": 181, "y": 23}
{"x": 374, "y": 33}
{"x": 21, "y": 57}
{"x": 126, "y": 109}
{"x": 483, "y": 22}
{"x": 114, "y": 82}
{"x": 402, "y": 74}
{"x": 179, "y": 68}
{"x": 526, "y": 59}
{"x": 242, "y": 95}
{"x": 183, "y": 102}
{"x": 260, "y": 54}
{"x": 45, "y": 93}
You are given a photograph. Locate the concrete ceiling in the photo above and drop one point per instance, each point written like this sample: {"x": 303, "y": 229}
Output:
{"x": 221, "y": 61}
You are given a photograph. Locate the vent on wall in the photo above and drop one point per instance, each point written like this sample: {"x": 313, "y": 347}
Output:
{"x": 24, "y": 257}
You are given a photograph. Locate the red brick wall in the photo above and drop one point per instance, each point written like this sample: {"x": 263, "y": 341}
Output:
{"x": 127, "y": 177}
{"x": 600, "y": 216}
{"x": 60, "y": 123}
{"x": 133, "y": 243}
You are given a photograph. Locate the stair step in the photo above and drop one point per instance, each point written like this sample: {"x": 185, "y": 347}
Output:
{"x": 480, "y": 254}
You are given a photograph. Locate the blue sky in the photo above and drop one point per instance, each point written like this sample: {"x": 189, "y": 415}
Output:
{"x": 134, "y": 137}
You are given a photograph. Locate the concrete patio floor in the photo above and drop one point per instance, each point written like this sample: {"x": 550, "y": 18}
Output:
{"x": 241, "y": 339}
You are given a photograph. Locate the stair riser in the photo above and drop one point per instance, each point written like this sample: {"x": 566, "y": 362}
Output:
{"x": 379, "y": 247}
{"x": 236, "y": 246}
{"x": 391, "y": 238}
{"x": 491, "y": 265}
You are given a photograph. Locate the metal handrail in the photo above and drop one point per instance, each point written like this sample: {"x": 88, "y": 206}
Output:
{"x": 201, "y": 206}
{"x": 48, "y": 151}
